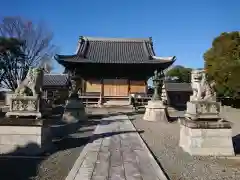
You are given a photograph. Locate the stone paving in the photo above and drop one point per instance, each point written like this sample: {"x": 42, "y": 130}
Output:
{"x": 116, "y": 152}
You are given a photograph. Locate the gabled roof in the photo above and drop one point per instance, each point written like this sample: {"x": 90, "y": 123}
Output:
{"x": 114, "y": 50}
{"x": 55, "y": 80}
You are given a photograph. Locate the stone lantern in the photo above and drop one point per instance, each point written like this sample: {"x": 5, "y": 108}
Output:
{"x": 156, "y": 110}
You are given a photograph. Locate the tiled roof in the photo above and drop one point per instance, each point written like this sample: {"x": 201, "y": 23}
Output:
{"x": 178, "y": 87}
{"x": 114, "y": 50}
{"x": 55, "y": 80}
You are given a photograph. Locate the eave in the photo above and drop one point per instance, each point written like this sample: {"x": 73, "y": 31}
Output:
{"x": 76, "y": 59}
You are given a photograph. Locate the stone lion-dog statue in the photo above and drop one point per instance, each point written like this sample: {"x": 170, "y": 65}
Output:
{"x": 32, "y": 84}
{"x": 202, "y": 89}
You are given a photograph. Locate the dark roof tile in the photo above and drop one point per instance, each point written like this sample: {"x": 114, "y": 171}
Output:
{"x": 55, "y": 80}
{"x": 114, "y": 50}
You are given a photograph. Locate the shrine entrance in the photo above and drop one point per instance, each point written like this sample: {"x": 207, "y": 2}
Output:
{"x": 115, "y": 87}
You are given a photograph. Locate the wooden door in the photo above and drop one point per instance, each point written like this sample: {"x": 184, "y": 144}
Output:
{"x": 137, "y": 86}
{"x": 107, "y": 87}
{"x": 121, "y": 87}
{"x": 115, "y": 87}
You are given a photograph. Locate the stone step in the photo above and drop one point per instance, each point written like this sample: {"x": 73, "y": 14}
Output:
{"x": 117, "y": 103}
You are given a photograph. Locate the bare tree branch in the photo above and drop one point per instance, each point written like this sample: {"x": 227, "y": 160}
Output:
{"x": 37, "y": 48}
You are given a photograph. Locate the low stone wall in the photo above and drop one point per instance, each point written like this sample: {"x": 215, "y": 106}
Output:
{"x": 24, "y": 140}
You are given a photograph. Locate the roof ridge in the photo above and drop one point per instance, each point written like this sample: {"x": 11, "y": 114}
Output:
{"x": 115, "y": 39}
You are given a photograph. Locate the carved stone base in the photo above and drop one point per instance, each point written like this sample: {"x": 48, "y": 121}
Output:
{"x": 204, "y": 138}
{"x": 155, "y": 111}
{"x": 24, "y": 106}
{"x": 199, "y": 110}
{"x": 74, "y": 111}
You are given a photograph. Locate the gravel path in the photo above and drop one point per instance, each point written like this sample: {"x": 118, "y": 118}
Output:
{"x": 162, "y": 139}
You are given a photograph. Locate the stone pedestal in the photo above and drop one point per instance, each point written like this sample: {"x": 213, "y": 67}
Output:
{"x": 24, "y": 106}
{"x": 203, "y": 110}
{"x": 24, "y": 137}
{"x": 204, "y": 138}
{"x": 155, "y": 111}
{"x": 74, "y": 111}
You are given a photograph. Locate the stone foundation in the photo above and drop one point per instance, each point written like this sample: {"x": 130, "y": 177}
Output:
{"x": 23, "y": 139}
{"x": 155, "y": 111}
{"x": 204, "y": 138}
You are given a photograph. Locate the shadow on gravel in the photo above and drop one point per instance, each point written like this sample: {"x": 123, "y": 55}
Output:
{"x": 28, "y": 167}
{"x": 63, "y": 130}
{"x": 19, "y": 168}
{"x": 236, "y": 144}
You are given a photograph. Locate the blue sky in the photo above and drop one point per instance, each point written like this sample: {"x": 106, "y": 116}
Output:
{"x": 183, "y": 28}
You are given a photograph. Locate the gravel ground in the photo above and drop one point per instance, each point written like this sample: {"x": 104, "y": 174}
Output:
{"x": 163, "y": 138}
{"x": 55, "y": 166}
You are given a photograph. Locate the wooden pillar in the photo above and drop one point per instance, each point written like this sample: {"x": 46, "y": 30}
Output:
{"x": 146, "y": 87}
{"x": 100, "y": 101}
{"x": 129, "y": 92}
{"x": 128, "y": 81}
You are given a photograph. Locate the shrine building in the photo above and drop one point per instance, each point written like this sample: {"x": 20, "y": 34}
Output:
{"x": 114, "y": 67}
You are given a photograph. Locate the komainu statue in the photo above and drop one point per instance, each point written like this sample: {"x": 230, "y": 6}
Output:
{"x": 32, "y": 84}
{"x": 204, "y": 129}
{"x": 202, "y": 89}
{"x": 26, "y": 100}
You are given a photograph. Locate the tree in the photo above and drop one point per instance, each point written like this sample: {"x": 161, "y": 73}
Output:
{"x": 35, "y": 45}
{"x": 222, "y": 64}
{"x": 11, "y": 55}
{"x": 179, "y": 74}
